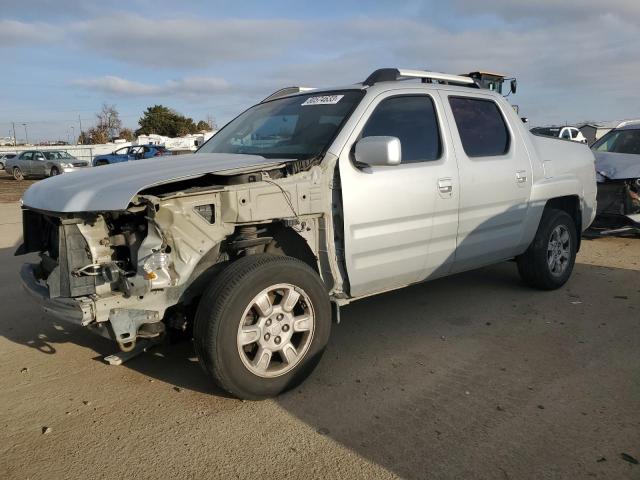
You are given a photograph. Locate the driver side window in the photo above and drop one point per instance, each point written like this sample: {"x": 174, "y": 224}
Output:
{"x": 412, "y": 119}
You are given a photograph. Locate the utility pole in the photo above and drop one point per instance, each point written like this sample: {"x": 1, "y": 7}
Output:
{"x": 73, "y": 134}
{"x": 80, "y": 122}
{"x": 26, "y": 136}
{"x": 14, "y": 134}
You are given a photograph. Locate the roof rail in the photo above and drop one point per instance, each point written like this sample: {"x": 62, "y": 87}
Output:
{"x": 392, "y": 74}
{"x": 283, "y": 92}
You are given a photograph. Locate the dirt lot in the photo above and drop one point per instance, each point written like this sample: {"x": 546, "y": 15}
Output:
{"x": 11, "y": 190}
{"x": 473, "y": 376}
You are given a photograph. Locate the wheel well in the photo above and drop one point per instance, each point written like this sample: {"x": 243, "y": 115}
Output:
{"x": 571, "y": 205}
{"x": 288, "y": 242}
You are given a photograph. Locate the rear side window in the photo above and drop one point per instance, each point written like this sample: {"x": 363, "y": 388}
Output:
{"x": 482, "y": 128}
{"x": 413, "y": 120}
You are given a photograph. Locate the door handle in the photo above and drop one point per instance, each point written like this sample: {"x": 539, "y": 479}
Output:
{"x": 521, "y": 176}
{"x": 445, "y": 187}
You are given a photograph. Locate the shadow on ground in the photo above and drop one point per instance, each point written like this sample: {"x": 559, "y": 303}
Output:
{"x": 471, "y": 376}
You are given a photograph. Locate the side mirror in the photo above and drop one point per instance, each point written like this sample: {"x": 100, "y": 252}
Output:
{"x": 514, "y": 86}
{"x": 379, "y": 151}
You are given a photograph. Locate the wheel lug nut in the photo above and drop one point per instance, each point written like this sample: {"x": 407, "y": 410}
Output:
{"x": 267, "y": 336}
{"x": 280, "y": 316}
{"x": 285, "y": 328}
{"x": 278, "y": 340}
{"x": 268, "y": 322}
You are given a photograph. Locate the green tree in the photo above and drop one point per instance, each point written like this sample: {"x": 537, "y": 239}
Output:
{"x": 203, "y": 126}
{"x": 162, "y": 120}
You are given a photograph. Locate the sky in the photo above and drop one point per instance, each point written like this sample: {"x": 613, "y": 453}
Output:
{"x": 62, "y": 59}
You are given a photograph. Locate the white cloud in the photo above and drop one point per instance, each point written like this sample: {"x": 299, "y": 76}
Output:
{"x": 187, "y": 42}
{"x": 14, "y": 33}
{"x": 550, "y": 10}
{"x": 190, "y": 86}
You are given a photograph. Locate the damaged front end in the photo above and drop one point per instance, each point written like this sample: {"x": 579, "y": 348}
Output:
{"x": 618, "y": 204}
{"x": 95, "y": 265}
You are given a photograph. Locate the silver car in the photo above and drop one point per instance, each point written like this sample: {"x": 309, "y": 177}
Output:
{"x": 37, "y": 163}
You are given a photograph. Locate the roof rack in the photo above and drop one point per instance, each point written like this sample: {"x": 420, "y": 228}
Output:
{"x": 393, "y": 74}
{"x": 283, "y": 92}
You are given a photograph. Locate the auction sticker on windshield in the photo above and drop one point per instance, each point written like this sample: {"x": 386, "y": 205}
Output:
{"x": 323, "y": 100}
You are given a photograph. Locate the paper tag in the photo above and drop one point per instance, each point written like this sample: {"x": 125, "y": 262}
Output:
{"x": 323, "y": 100}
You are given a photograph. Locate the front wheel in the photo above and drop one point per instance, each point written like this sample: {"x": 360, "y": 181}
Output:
{"x": 262, "y": 326}
{"x": 548, "y": 262}
{"x": 54, "y": 171}
{"x": 17, "y": 174}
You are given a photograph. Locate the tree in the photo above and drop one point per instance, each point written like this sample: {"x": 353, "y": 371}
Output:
{"x": 109, "y": 121}
{"x": 96, "y": 135}
{"x": 127, "y": 134}
{"x": 203, "y": 126}
{"x": 162, "y": 120}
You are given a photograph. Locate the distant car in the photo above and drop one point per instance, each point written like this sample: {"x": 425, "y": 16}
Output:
{"x": 4, "y": 157}
{"x": 618, "y": 175}
{"x": 38, "y": 163}
{"x": 568, "y": 133}
{"x": 134, "y": 152}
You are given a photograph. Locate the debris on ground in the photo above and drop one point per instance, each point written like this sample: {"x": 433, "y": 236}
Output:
{"x": 628, "y": 458}
{"x": 46, "y": 430}
{"x": 601, "y": 459}
{"x": 24, "y": 370}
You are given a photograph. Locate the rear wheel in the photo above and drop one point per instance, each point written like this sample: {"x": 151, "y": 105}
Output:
{"x": 262, "y": 326}
{"x": 17, "y": 173}
{"x": 54, "y": 171}
{"x": 548, "y": 262}
{"x": 99, "y": 163}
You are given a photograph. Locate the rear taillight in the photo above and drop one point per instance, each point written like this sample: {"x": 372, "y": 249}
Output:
{"x": 157, "y": 154}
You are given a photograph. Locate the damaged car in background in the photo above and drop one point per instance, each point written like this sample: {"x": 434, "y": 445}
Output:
{"x": 618, "y": 175}
{"x": 305, "y": 202}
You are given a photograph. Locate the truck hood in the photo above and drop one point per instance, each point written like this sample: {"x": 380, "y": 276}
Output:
{"x": 618, "y": 166}
{"x": 112, "y": 187}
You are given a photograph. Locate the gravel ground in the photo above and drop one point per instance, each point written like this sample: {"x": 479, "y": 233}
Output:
{"x": 472, "y": 376}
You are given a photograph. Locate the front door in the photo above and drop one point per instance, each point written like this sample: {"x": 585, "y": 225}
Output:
{"x": 495, "y": 178}
{"x": 400, "y": 222}
{"x": 39, "y": 164}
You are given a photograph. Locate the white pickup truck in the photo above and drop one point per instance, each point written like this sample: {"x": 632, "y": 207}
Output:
{"x": 305, "y": 202}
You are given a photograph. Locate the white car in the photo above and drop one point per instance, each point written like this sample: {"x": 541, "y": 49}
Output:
{"x": 567, "y": 133}
{"x": 306, "y": 202}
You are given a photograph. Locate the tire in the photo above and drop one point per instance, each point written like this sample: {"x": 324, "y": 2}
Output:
{"x": 54, "y": 171}
{"x": 228, "y": 310}
{"x": 548, "y": 262}
{"x": 100, "y": 163}
{"x": 17, "y": 173}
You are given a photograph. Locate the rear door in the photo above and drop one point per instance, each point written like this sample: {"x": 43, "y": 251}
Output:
{"x": 400, "y": 222}
{"x": 25, "y": 163}
{"x": 495, "y": 179}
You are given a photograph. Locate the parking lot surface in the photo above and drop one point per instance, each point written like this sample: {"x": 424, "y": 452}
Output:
{"x": 472, "y": 376}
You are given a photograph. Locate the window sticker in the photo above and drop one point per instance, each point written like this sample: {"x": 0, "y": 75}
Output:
{"x": 323, "y": 100}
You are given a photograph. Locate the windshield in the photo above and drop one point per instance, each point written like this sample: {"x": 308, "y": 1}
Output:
{"x": 619, "y": 141}
{"x": 298, "y": 127}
